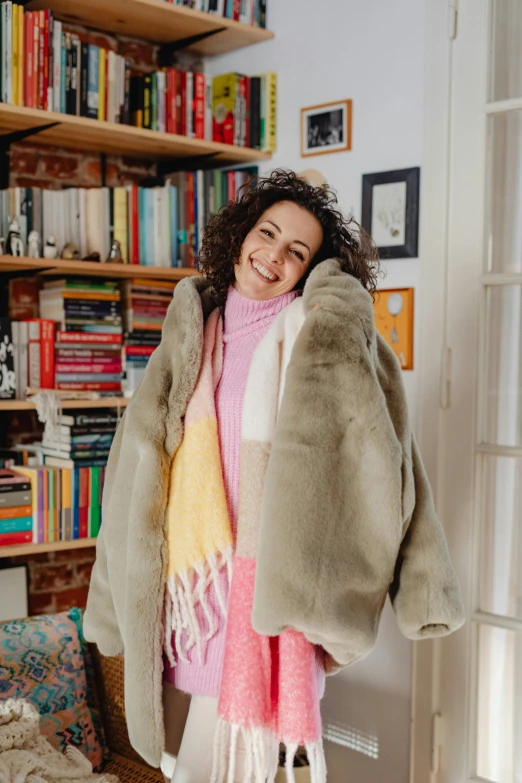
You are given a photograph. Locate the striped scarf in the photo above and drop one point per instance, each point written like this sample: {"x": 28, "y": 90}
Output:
{"x": 269, "y": 692}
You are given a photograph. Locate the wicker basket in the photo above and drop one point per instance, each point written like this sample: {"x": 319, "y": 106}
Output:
{"x": 125, "y": 762}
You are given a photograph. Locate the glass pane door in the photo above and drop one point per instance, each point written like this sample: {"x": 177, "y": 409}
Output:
{"x": 497, "y": 620}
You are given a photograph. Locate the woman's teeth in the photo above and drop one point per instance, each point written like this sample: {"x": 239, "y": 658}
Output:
{"x": 262, "y": 271}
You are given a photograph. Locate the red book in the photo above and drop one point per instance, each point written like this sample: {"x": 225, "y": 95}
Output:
{"x": 36, "y": 56}
{"x": 84, "y": 503}
{"x": 106, "y": 387}
{"x": 172, "y": 100}
{"x": 183, "y": 98}
{"x": 178, "y": 103}
{"x": 135, "y": 225}
{"x": 139, "y": 350}
{"x": 87, "y": 354}
{"x": 235, "y": 10}
{"x": 199, "y": 105}
{"x": 231, "y": 185}
{"x": 11, "y": 539}
{"x": 41, "y": 59}
{"x": 29, "y": 33}
{"x": 41, "y": 353}
{"x": 115, "y": 367}
{"x": 88, "y": 337}
{"x": 46, "y": 32}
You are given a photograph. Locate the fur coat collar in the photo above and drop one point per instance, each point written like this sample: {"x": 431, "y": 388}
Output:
{"x": 348, "y": 515}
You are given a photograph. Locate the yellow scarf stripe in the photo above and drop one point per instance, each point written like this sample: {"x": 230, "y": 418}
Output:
{"x": 197, "y": 515}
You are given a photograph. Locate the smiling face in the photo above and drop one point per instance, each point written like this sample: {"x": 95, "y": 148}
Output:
{"x": 278, "y": 251}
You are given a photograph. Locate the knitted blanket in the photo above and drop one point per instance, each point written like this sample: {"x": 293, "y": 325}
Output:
{"x": 269, "y": 692}
{"x": 27, "y": 757}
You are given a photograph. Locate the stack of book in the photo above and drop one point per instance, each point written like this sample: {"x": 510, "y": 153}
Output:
{"x": 243, "y": 11}
{"x": 89, "y": 333}
{"x": 159, "y": 226}
{"x": 46, "y": 67}
{"x": 82, "y": 439}
{"x": 16, "y": 509}
{"x": 145, "y": 305}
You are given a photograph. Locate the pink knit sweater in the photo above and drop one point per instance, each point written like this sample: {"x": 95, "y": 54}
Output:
{"x": 246, "y": 321}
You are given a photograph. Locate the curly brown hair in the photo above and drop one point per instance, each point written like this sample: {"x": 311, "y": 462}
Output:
{"x": 343, "y": 238}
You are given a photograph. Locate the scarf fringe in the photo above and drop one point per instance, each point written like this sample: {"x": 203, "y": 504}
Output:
{"x": 262, "y": 755}
{"x": 184, "y": 592}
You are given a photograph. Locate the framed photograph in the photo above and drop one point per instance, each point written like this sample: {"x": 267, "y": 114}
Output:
{"x": 326, "y": 128}
{"x": 393, "y": 309}
{"x": 390, "y": 211}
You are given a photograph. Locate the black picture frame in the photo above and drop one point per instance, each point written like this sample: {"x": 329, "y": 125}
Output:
{"x": 410, "y": 248}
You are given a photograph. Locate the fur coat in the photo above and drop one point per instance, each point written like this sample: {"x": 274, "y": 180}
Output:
{"x": 348, "y": 514}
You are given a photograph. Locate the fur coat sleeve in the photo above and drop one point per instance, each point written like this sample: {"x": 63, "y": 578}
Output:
{"x": 348, "y": 513}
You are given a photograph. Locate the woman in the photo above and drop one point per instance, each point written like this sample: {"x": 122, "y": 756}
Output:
{"x": 270, "y": 439}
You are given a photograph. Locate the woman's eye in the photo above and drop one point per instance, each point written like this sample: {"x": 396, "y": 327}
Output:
{"x": 267, "y": 232}
{"x": 298, "y": 254}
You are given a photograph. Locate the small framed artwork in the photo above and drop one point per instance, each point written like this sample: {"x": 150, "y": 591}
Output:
{"x": 393, "y": 309}
{"x": 326, "y": 128}
{"x": 390, "y": 211}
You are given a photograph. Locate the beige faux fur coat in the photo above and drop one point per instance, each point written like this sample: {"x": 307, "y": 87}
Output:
{"x": 348, "y": 512}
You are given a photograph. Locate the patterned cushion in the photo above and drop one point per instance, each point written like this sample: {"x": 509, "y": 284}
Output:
{"x": 41, "y": 660}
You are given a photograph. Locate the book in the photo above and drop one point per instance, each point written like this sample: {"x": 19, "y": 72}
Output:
{"x": 16, "y": 524}
{"x": 41, "y": 353}
{"x": 15, "y": 499}
{"x": 13, "y": 539}
{"x": 224, "y": 90}
{"x": 8, "y": 377}
{"x": 88, "y": 338}
{"x": 269, "y": 112}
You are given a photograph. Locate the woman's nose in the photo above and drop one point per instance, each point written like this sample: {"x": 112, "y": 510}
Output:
{"x": 276, "y": 255}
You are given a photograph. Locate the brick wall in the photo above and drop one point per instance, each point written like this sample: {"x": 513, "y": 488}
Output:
{"x": 57, "y": 580}
{"x": 37, "y": 165}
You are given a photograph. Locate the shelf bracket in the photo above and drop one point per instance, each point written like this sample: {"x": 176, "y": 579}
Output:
{"x": 166, "y": 51}
{"x": 166, "y": 167}
{"x": 6, "y": 140}
{"x": 103, "y": 169}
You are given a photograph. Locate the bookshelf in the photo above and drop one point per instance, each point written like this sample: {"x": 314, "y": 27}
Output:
{"x": 59, "y": 266}
{"x": 55, "y": 546}
{"x": 86, "y": 135}
{"x": 157, "y": 21}
{"x": 163, "y": 24}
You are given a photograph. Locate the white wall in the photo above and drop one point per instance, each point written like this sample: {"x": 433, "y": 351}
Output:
{"x": 371, "y": 51}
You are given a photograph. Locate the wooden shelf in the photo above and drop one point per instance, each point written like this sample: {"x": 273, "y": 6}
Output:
{"x": 33, "y": 549}
{"x": 81, "y": 133}
{"x": 157, "y": 21}
{"x": 103, "y": 402}
{"x": 58, "y": 266}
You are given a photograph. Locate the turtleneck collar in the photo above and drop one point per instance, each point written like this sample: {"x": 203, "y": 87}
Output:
{"x": 243, "y": 315}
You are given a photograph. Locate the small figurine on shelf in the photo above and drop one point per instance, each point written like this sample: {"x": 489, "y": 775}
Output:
{"x": 94, "y": 257}
{"x": 33, "y": 244}
{"x": 51, "y": 248}
{"x": 115, "y": 256}
{"x": 14, "y": 245}
{"x": 70, "y": 252}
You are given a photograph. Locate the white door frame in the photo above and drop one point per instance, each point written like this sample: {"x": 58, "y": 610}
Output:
{"x": 430, "y": 302}
{"x": 448, "y": 307}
